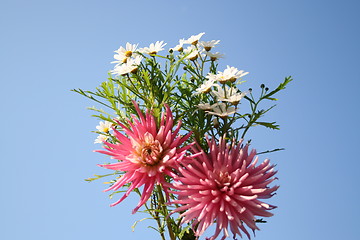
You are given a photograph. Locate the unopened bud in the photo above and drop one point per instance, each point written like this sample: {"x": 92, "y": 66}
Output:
{"x": 216, "y": 123}
{"x": 262, "y": 85}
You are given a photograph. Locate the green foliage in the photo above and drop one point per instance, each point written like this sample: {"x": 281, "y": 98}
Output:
{"x": 101, "y": 176}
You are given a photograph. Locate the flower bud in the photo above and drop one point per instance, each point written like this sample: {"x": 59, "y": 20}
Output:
{"x": 216, "y": 123}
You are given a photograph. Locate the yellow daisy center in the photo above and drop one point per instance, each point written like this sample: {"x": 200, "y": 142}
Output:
{"x": 128, "y": 53}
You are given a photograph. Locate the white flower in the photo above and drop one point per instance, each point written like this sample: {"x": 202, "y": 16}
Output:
{"x": 231, "y": 94}
{"x": 130, "y": 66}
{"x": 153, "y": 48}
{"x": 122, "y": 54}
{"x": 212, "y": 77}
{"x": 204, "y": 106}
{"x": 210, "y": 44}
{"x": 221, "y": 110}
{"x": 205, "y": 87}
{"x": 194, "y": 39}
{"x": 179, "y": 47}
{"x": 230, "y": 74}
{"x": 214, "y": 56}
{"x": 104, "y": 126}
{"x": 101, "y": 138}
{"x": 191, "y": 52}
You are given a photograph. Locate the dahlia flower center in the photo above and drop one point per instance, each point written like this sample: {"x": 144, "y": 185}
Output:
{"x": 151, "y": 151}
{"x": 223, "y": 181}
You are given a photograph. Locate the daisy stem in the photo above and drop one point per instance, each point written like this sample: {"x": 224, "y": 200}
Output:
{"x": 165, "y": 212}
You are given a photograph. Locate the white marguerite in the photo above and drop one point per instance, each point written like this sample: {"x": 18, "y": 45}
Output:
{"x": 122, "y": 54}
{"x": 209, "y": 44}
{"x": 101, "y": 138}
{"x": 179, "y": 47}
{"x": 154, "y": 48}
{"x": 231, "y": 94}
{"x": 230, "y": 74}
{"x": 205, "y": 87}
{"x": 211, "y": 77}
{"x": 194, "y": 39}
{"x": 130, "y": 66}
{"x": 191, "y": 52}
{"x": 104, "y": 126}
{"x": 221, "y": 110}
{"x": 204, "y": 106}
{"x": 214, "y": 56}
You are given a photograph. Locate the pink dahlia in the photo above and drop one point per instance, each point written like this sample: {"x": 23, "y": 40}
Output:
{"x": 224, "y": 186}
{"x": 146, "y": 153}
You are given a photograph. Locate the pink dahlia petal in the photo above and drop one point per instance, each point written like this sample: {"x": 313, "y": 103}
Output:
{"x": 224, "y": 187}
{"x": 146, "y": 153}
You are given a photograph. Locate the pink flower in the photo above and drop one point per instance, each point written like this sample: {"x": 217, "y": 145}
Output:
{"x": 146, "y": 154}
{"x": 224, "y": 186}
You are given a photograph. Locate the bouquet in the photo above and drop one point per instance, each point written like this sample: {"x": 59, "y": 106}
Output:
{"x": 175, "y": 126}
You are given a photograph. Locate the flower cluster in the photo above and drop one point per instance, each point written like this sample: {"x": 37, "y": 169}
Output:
{"x": 176, "y": 132}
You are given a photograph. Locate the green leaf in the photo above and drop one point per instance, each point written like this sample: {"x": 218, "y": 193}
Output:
{"x": 100, "y": 176}
{"x": 135, "y": 223}
{"x": 280, "y": 87}
{"x": 270, "y": 151}
{"x": 271, "y": 125}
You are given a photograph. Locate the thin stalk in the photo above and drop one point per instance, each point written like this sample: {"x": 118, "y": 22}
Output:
{"x": 165, "y": 212}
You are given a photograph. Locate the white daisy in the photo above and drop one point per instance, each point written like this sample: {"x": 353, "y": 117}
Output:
{"x": 122, "y": 54}
{"x": 191, "y": 52}
{"x": 205, "y": 87}
{"x": 194, "y": 39}
{"x": 231, "y": 94}
{"x": 130, "y": 66}
{"x": 221, "y": 110}
{"x": 212, "y": 77}
{"x": 214, "y": 56}
{"x": 101, "y": 138}
{"x": 179, "y": 47}
{"x": 104, "y": 126}
{"x": 204, "y": 106}
{"x": 209, "y": 45}
{"x": 153, "y": 48}
{"x": 230, "y": 74}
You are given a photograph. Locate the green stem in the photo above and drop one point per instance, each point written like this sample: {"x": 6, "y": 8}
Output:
{"x": 252, "y": 120}
{"x": 165, "y": 212}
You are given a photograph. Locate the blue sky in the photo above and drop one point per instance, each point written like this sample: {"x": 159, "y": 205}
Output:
{"x": 50, "y": 47}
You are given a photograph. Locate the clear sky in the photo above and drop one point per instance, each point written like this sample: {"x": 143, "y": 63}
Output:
{"x": 50, "y": 47}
